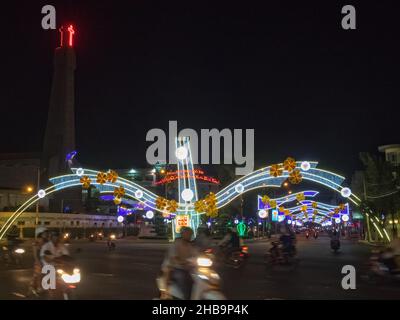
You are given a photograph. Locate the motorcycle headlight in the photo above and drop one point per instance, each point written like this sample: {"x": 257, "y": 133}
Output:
{"x": 19, "y": 251}
{"x": 204, "y": 262}
{"x": 74, "y": 278}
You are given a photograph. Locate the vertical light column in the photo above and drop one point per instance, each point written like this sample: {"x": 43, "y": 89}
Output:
{"x": 187, "y": 188}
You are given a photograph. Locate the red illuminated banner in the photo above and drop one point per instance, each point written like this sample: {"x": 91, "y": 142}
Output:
{"x": 180, "y": 174}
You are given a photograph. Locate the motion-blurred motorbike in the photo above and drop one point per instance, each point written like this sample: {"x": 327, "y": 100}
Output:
{"x": 335, "y": 245}
{"x": 12, "y": 256}
{"x": 68, "y": 278}
{"x": 111, "y": 242}
{"x": 278, "y": 255}
{"x": 235, "y": 258}
{"x": 206, "y": 282}
{"x": 384, "y": 265}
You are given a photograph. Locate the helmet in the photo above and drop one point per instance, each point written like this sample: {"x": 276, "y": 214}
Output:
{"x": 39, "y": 231}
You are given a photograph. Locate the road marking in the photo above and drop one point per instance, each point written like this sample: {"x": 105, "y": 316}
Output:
{"x": 20, "y": 295}
{"x": 103, "y": 274}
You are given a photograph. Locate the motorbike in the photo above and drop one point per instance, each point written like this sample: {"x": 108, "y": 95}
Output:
{"x": 206, "y": 282}
{"x": 234, "y": 258}
{"x": 110, "y": 242}
{"x": 307, "y": 235}
{"x": 12, "y": 256}
{"x": 68, "y": 278}
{"x": 379, "y": 267}
{"x": 280, "y": 256}
{"x": 335, "y": 245}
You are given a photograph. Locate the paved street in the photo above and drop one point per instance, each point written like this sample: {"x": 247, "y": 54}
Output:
{"x": 130, "y": 272}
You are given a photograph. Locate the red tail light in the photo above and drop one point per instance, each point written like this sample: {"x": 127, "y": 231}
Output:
{"x": 245, "y": 249}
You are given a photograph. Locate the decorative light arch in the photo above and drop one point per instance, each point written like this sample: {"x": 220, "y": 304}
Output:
{"x": 258, "y": 179}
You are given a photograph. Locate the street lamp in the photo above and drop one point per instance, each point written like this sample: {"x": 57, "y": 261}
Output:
{"x": 29, "y": 189}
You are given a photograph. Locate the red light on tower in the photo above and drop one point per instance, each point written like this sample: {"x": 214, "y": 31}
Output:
{"x": 70, "y": 38}
{"x": 71, "y": 34}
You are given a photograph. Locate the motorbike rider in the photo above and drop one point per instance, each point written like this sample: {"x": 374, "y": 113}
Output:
{"x": 335, "y": 236}
{"x": 203, "y": 241}
{"x": 287, "y": 240}
{"x": 230, "y": 243}
{"x": 53, "y": 249}
{"x": 42, "y": 237}
{"x": 390, "y": 256}
{"x": 177, "y": 265}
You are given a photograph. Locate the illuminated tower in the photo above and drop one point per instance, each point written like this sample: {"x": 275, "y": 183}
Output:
{"x": 59, "y": 139}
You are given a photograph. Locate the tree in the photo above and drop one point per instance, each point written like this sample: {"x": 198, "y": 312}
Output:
{"x": 380, "y": 186}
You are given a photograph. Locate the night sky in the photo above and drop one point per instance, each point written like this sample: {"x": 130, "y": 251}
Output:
{"x": 310, "y": 89}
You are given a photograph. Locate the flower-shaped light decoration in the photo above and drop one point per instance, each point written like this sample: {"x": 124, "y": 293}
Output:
{"x": 272, "y": 204}
{"x": 342, "y": 206}
{"x": 117, "y": 200}
{"x": 276, "y": 170}
{"x": 314, "y": 205}
{"x": 119, "y": 192}
{"x": 286, "y": 212}
{"x": 85, "y": 180}
{"x": 295, "y": 177}
{"x": 289, "y": 164}
{"x": 300, "y": 197}
{"x": 304, "y": 208}
{"x": 212, "y": 212}
{"x": 336, "y": 210}
{"x": 281, "y": 209}
{"x": 112, "y": 176}
{"x": 315, "y": 212}
{"x": 265, "y": 200}
{"x": 101, "y": 177}
{"x": 172, "y": 206}
{"x": 210, "y": 199}
{"x": 211, "y": 205}
{"x": 161, "y": 203}
{"x": 200, "y": 206}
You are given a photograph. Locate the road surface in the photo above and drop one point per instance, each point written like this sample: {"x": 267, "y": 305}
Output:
{"x": 130, "y": 271}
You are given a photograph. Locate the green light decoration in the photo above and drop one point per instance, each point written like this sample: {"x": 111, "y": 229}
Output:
{"x": 241, "y": 229}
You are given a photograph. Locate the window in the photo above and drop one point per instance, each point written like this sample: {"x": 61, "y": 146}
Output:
{"x": 47, "y": 223}
{"x": 21, "y": 223}
{"x": 77, "y": 223}
{"x": 72, "y": 223}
